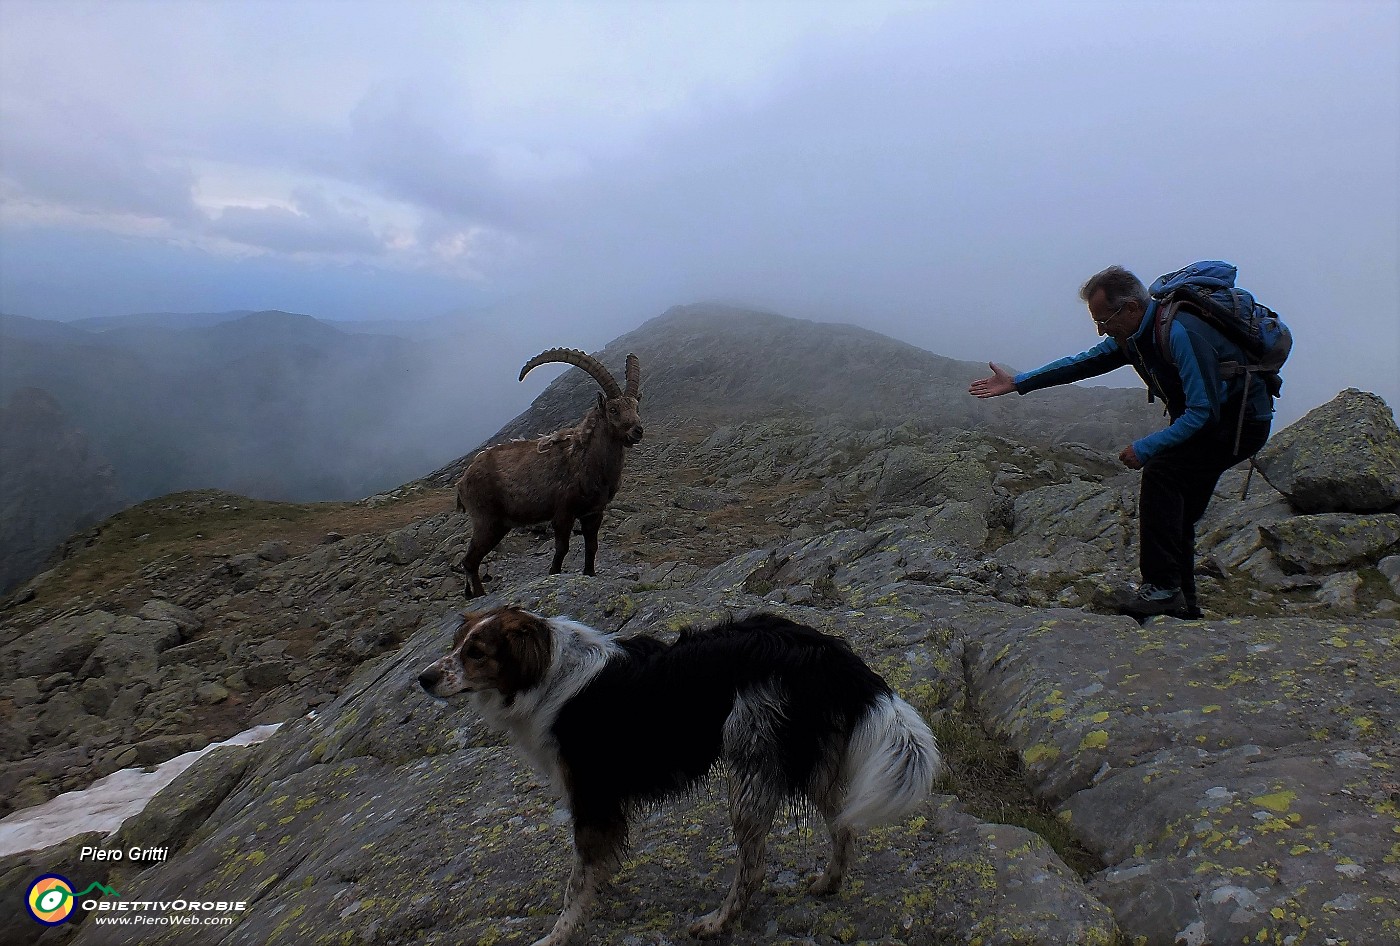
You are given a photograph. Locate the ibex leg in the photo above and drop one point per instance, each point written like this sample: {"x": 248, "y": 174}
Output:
{"x": 590, "y": 524}
{"x": 563, "y": 525}
{"x": 485, "y": 537}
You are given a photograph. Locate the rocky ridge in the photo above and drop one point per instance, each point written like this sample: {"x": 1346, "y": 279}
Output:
{"x": 1253, "y": 751}
{"x": 709, "y": 365}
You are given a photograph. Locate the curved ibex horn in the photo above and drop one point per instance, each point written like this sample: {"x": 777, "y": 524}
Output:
{"x": 634, "y": 377}
{"x": 579, "y": 359}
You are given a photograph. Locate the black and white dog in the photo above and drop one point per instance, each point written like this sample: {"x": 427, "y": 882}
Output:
{"x": 616, "y": 723}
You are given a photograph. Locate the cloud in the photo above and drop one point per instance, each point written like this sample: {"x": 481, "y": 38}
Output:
{"x": 941, "y": 173}
{"x": 401, "y": 148}
{"x": 73, "y": 158}
{"x": 311, "y": 225}
{"x": 952, "y": 184}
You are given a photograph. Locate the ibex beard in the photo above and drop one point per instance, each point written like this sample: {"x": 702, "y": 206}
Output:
{"x": 616, "y": 724}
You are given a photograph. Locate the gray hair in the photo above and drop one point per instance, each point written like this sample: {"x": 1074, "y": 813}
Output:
{"x": 1119, "y": 288}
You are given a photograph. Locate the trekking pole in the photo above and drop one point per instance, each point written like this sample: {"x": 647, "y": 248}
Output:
{"x": 1239, "y": 431}
{"x": 1244, "y": 404}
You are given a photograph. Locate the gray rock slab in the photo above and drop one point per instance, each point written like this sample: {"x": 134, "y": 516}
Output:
{"x": 1076, "y": 512}
{"x": 468, "y": 847}
{"x": 393, "y": 817}
{"x": 1225, "y": 847}
{"x": 1236, "y": 776}
{"x": 1328, "y": 541}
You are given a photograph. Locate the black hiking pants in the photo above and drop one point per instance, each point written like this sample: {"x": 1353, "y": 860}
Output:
{"x": 1176, "y": 488}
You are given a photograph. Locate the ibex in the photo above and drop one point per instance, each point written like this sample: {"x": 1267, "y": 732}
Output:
{"x": 570, "y": 474}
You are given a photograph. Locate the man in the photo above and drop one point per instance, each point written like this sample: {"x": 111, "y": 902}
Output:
{"x": 1181, "y": 463}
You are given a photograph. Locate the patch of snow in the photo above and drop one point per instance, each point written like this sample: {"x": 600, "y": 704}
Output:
{"x": 105, "y": 804}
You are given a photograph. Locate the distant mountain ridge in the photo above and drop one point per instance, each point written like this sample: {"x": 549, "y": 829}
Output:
{"x": 255, "y": 404}
{"x": 23, "y": 327}
{"x": 413, "y": 329}
{"x": 177, "y": 320}
{"x": 268, "y": 404}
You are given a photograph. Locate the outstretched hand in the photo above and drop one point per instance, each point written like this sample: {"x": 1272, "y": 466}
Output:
{"x": 999, "y": 383}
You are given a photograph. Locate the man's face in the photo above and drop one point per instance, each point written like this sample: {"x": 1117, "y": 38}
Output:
{"x": 1120, "y": 321}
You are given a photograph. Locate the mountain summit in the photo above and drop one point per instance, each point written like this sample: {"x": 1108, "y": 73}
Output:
{"x": 715, "y": 364}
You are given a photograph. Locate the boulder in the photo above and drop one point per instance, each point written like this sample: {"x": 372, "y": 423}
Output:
{"x": 1329, "y": 541}
{"x": 61, "y": 714}
{"x": 1390, "y": 568}
{"x": 157, "y": 609}
{"x": 1341, "y": 457}
{"x": 62, "y": 645}
{"x": 211, "y": 693}
{"x": 928, "y": 474}
{"x": 401, "y": 547}
{"x": 1338, "y": 592}
{"x": 265, "y": 674}
{"x": 157, "y": 749}
{"x": 131, "y": 648}
{"x": 274, "y": 552}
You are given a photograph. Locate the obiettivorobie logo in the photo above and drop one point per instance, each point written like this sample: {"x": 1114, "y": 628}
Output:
{"x": 51, "y": 898}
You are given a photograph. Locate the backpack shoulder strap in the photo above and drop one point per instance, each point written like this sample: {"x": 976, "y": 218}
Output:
{"x": 1162, "y": 328}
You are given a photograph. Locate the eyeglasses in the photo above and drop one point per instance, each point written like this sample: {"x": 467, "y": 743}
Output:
{"x": 1112, "y": 315}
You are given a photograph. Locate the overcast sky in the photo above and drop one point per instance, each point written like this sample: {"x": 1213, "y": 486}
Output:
{"x": 946, "y": 173}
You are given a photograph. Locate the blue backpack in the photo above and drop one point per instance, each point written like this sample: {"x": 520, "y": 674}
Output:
{"x": 1207, "y": 290}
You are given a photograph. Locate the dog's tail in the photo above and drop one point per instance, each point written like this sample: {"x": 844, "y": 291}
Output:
{"x": 891, "y": 763}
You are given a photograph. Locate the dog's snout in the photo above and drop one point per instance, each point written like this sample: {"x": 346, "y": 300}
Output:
{"x": 429, "y": 678}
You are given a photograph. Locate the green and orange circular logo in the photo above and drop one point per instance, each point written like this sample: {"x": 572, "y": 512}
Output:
{"x": 50, "y": 899}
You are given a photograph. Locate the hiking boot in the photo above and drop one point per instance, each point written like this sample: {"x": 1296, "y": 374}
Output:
{"x": 1190, "y": 611}
{"x": 1149, "y": 600}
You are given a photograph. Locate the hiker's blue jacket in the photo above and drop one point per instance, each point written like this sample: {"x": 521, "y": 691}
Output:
{"x": 1188, "y": 381}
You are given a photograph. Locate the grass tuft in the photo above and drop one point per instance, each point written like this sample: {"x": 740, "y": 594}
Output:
{"x": 987, "y": 778}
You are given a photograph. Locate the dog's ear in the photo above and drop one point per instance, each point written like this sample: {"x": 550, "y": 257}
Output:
{"x": 528, "y": 641}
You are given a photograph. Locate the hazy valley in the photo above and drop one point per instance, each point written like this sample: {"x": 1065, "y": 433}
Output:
{"x": 101, "y": 413}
